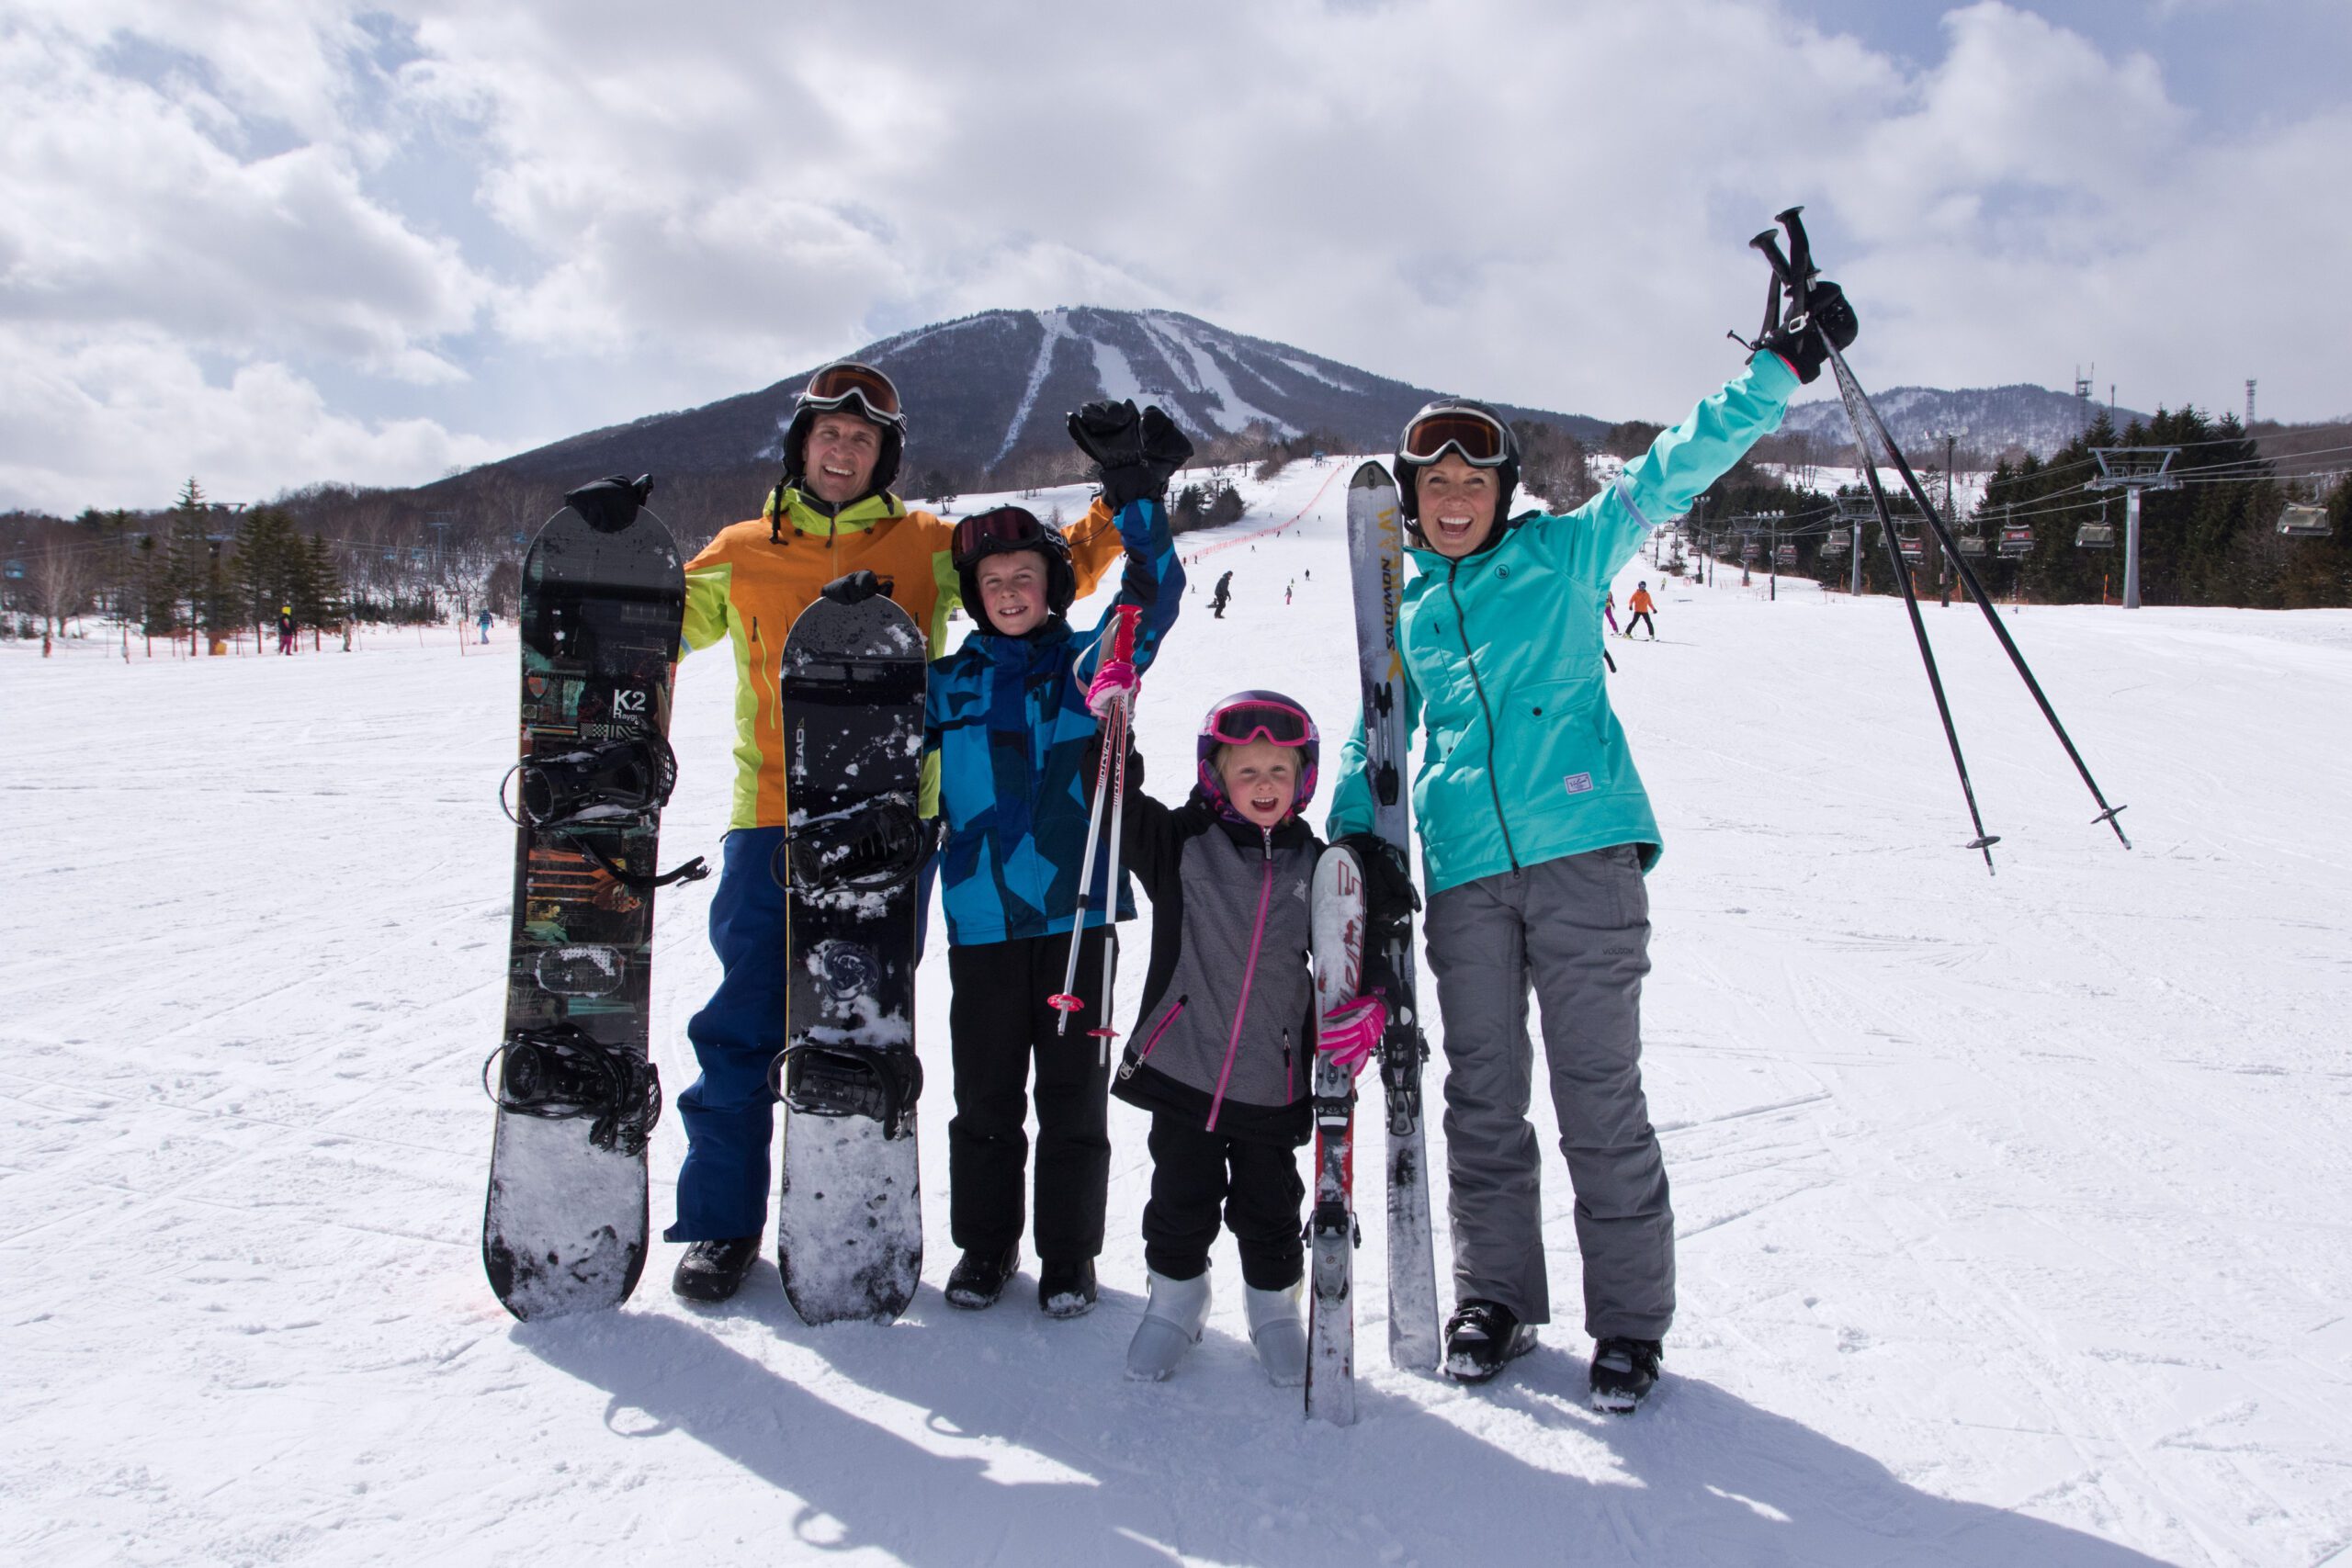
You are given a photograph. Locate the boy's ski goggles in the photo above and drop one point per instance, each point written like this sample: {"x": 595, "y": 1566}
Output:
{"x": 1242, "y": 723}
{"x": 1482, "y": 443}
{"x": 834, "y": 387}
{"x": 990, "y": 533}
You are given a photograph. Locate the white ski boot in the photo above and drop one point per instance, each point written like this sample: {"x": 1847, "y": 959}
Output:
{"x": 1277, "y": 1333}
{"x": 1172, "y": 1321}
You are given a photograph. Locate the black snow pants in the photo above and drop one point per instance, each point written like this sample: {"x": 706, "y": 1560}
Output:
{"x": 1195, "y": 1172}
{"x": 1000, "y": 1020}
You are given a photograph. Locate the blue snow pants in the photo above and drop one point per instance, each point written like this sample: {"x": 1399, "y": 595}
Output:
{"x": 729, "y": 1111}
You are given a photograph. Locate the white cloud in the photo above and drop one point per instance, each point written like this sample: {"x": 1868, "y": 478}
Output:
{"x": 126, "y": 422}
{"x": 1543, "y": 202}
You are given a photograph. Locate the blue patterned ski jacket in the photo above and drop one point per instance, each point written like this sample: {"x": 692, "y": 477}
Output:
{"x": 1007, "y": 718}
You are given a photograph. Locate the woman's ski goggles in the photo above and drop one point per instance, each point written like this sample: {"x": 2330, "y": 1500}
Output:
{"x": 990, "y": 533}
{"x": 1482, "y": 443}
{"x": 1241, "y": 723}
{"x": 834, "y": 387}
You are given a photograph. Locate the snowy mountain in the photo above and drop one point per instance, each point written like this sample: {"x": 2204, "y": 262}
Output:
{"x": 1987, "y": 419}
{"x": 986, "y": 390}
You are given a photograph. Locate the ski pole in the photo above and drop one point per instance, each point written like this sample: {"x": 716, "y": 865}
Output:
{"x": 1114, "y": 735}
{"x": 1871, "y": 430}
{"x": 1120, "y": 706}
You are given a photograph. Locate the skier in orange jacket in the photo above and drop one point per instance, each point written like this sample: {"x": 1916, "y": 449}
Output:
{"x": 1640, "y": 606}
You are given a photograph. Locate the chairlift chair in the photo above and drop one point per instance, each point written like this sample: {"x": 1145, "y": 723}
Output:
{"x": 1750, "y": 553}
{"x": 1834, "y": 545}
{"x": 2017, "y": 540}
{"x": 1785, "y": 555}
{"x": 1972, "y": 544}
{"x": 2300, "y": 521}
{"x": 2094, "y": 536}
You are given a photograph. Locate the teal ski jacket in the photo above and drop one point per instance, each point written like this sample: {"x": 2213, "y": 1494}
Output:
{"x": 1522, "y": 759}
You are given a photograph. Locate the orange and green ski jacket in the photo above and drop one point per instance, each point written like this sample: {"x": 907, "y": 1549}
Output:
{"x": 749, "y": 584}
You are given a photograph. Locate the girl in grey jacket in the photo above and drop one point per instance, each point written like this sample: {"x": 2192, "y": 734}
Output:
{"x": 1221, "y": 1051}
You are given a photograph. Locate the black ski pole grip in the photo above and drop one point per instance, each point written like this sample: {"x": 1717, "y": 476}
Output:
{"x": 1800, "y": 247}
{"x": 1769, "y": 243}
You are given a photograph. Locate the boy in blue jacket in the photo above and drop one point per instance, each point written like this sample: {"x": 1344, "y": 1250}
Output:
{"x": 1010, "y": 717}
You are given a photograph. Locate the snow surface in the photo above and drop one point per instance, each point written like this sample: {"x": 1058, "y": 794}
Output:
{"x": 2011, "y": 1208}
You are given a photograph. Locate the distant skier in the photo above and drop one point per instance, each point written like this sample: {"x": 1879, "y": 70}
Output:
{"x": 483, "y": 620}
{"x": 1288, "y": 588}
{"x": 1535, "y": 835}
{"x": 285, "y": 629}
{"x": 1608, "y": 609}
{"x": 1011, "y": 718}
{"x": 1222, "y": 597}
{"x": 1641, "y": 604}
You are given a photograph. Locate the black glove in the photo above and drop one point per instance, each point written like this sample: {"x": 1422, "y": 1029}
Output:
{"x": 1826, "y": 312}
{"x": 1135, "y": 451}
{"x": 1388, "y": 891}
{"x": 610, "y": 504}
{"x": 856, "y": 587}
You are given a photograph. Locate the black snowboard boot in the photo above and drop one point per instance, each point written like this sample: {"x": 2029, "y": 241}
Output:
{"x": 978, "y": 1278}
{"x": 714, "y": 1271}
{"x": 1623, "y": 1371}
{"x": 1066, "y": 1290}
{"x": 1480, "y": 1336}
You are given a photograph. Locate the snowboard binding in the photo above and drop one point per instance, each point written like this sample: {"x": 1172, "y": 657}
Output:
{"x": 816, "y": 1079}
{"x": 875, "y": 846}
{"x": 608, "y": 787}
{"x": 560, "y": 1073}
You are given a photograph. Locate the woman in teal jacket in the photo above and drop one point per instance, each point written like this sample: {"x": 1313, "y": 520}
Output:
{"x": 1535, "y": 835}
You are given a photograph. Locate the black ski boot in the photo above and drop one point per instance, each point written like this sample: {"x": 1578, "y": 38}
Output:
{"x": 1066, "y": 1290}
{"x": 978, "y": 1278}
{"x": 714, "y": 1271}
{"x": 1623, "y": 1371}
{"x": 1480, "y": 1336}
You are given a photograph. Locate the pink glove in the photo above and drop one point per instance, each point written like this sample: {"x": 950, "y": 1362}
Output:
{"x": 1114, "y": 680}
{"x": 1351, "y": 1032}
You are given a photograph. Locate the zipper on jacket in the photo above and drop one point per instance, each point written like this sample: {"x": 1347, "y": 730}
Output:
{"x": 1134, "y": 1057}
{"x": 1290, "y": 1079}
{"x": 1249, "y": 974}
{"x": 1462, "y": 627}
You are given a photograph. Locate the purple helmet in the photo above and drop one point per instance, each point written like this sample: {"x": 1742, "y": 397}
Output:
{"x": 1258, "y": 715}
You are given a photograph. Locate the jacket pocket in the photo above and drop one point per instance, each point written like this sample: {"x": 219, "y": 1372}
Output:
{"x": 1549, "y": 746}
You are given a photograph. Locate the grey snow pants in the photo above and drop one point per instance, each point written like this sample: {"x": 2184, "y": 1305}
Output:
{"x": 1577, "y": 929}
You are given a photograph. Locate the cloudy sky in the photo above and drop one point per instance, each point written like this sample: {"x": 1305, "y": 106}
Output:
{"x": 271, "y": 244}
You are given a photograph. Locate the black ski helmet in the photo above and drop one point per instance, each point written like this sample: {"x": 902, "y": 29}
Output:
{"x": 1431, "y": 425}
{"x": 1004, "y": 531}
{"x": 847, "y": 386}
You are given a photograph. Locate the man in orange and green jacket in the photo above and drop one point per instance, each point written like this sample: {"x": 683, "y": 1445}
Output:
{"x": 832, "y": 513}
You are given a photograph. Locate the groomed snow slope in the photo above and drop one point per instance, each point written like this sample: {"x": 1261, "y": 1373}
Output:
{"x": 2011, "y": 1208}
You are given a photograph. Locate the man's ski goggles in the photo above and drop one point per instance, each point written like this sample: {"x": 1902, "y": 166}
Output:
{"x": 834, "y": 387}
{"x": 989, "y": 533}
{"x": 1482, "y": 443}
{"x": 1242, "y": 723}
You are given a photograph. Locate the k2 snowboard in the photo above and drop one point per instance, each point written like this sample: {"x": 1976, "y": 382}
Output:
{"x": 1337, "y": 902}
{"x": 1376, "y": 560}
{"x": 849, "y": 1217}
{"x": 564, "y": 1228}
